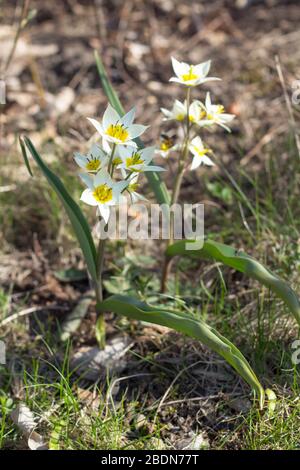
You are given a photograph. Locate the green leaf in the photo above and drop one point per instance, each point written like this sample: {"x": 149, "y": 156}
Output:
{"x": 158, "y": 187}
{"x": 77, "y": 219}
{"x": 243, "y": 263}
{"x": 25, "y": 157}
{"x": 71, "y": 275}
{"x": 191, "y": 326}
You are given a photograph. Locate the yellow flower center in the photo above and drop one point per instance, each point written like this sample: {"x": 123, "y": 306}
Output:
{"x": 93, "y": 165}
{"x": 133, "y": 187}
{"x": 180, "y": 117}
{"x": 117, "y": 131}
{"x": 135, "y": 159}
{"x": 202, "y": 152}
{"x": 102, "y": 193}
{"x": 186, "y": 77}
{"x": 219, "y": 109}
{"x": 117, "y": 161}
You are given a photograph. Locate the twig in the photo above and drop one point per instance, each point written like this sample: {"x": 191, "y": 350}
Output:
{"x": 21, "y": 25}
{"x": 171, "y": 385}
{"x": 266, "y": 139}
{"x": 29, "y": 310}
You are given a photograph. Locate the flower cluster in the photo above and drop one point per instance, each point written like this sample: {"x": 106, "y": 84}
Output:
{"x": 194, "y": 115}
{"x": 106, "y": 186}
{"x": 112, "y": 170}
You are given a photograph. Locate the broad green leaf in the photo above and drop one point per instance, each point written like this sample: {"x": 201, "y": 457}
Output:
{"x": 158, "y": 187}
{"x": 71, "y": 275}
{"x": 191, "y": 326}
{"x": 77, "y": 219}
{"x": 243, "y": 263}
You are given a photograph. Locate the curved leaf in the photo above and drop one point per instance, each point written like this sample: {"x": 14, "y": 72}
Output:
{"x": 191, "y": 326}
{"x": 77, "y": 219}
{"x": 243, "y": 263}
{"x": 25, "y": 157}
{"x": 158, "y": 187}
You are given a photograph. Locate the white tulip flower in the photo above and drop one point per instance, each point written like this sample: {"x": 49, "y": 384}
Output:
{"x": 102, "y": 191}
{"x": 132, "y": 189}
{"x": 191, "y": 75}
{"x": 197, "y": 148}
{"x": 116, "y": 129}
{"x": 94, "y": 161}
{"x": 179, "y": 111}
{"x": 134, "y": 160}
{"x": 215, "y": 114}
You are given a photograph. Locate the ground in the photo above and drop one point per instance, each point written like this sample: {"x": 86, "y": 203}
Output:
{"x": 170, "y": 391}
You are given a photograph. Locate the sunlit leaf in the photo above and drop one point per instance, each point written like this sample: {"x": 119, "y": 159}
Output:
{"x": 191, "y": 326}
{"x": 243, "y": 263}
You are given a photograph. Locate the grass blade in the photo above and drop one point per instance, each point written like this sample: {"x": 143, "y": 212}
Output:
{"x": 243, "y": 263}
{"x": 77, "y": 219}
{"x": 158, "y": 187}
{"x": 190, "y": 326}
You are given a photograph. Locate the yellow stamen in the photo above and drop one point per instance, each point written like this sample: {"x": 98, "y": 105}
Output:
{"x": 118, "y": 132}
{"x": 117, "y": 161}
{"x": 93, "y": 165}
{"x": 180, "y": 117}
{"x": 133, "y": 187}
{"x": 202, "y": 152}
{"x": 219, "y": 110}
{"x": 102, "y": 193}
{"x": 186, "y": 77}
{"x": 135, "y": 159}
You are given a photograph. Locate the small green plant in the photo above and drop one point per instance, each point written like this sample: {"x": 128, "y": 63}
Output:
{"x": 111, "y": 173}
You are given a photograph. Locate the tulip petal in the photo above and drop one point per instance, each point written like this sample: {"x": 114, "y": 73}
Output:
{"x": 180, "y": 68}
{"x": 104, "y": 211}
{"x": 110, "y": 116}
{"x": 88, "y": 198}
{"x": 202, "y": 69}
{"x": 196, "y": 162}
{"x": 81, "y": 160}
{"x": 136, "y": 130}
{"x": 87, "y": 180}
{"x": 97, "y": 125}
{"x": 128, "y": 118}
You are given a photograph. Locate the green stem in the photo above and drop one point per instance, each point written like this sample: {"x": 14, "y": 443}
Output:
{"x": 176, "y": 190}
{"x": 100, "y": 326}
{"x": 110, "y": 163}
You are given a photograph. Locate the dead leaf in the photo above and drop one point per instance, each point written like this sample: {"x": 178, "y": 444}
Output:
{"x": 74, "y": 319}
{"x": 92, "y": 363}
{"x": 24, "y": 419}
